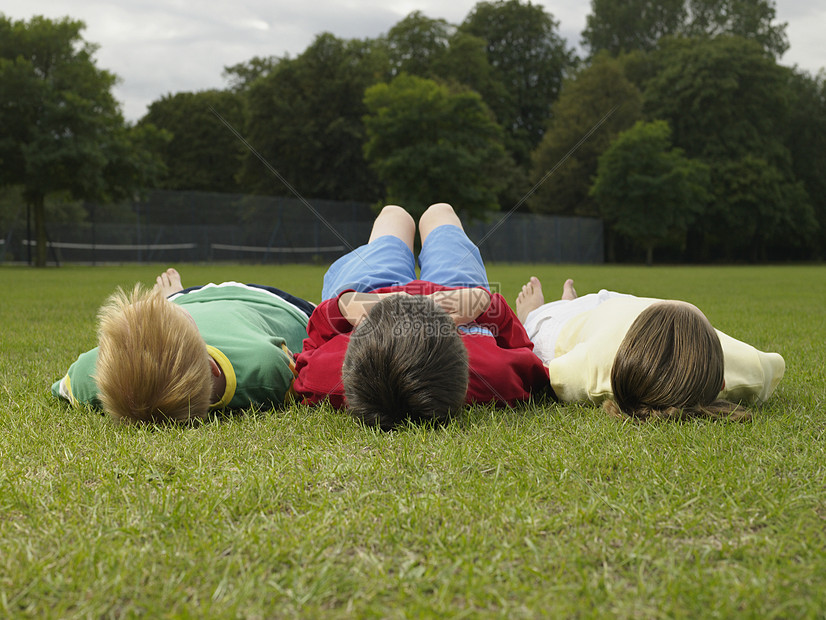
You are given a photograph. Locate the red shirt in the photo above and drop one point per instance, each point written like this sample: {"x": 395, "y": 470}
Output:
{"x": 503, "y": 367}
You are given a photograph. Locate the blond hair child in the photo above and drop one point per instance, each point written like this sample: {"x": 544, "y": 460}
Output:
{"x": 174, "y": 354}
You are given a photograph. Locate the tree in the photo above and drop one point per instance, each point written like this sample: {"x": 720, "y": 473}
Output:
{"x": 434, "y": 49}
{"x": 723, "y": 97}
{"x": 647, "y": 190}
{"x": 202, "y": 153}
{"x": 762, "y": 206}
{"x": 587, "y": 97}
{"x": 241, "y": 75}
{"x": 62, "y": 129}
{"x": 750, "y": 19}
{"x": 529, "y": 58}
{"x": 416, "y": 44}
{"x": 428, "y": 141}
{"x": 618, "y": 26}
{"x": 10, "y": 212}
{"x": 806, "y": 141}
{"x": 627, "y": 25}
{"x": 726, "y": 99}
{"x": 305, "y": 120}
{"x": 466, "y": 62}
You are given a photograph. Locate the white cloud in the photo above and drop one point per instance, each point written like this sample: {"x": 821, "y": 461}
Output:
{"x": 806, "y": 31}
{"x": 165, "y": 46}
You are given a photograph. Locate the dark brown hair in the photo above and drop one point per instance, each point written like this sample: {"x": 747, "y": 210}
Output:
{"x": 670, "y": 365}
{"x": 405, "y": 361}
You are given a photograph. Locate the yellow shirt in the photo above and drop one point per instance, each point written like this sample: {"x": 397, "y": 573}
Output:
{"x": 588, "y": 342}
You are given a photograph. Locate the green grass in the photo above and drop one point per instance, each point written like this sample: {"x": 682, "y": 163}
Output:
{"x": 545, "y": 510}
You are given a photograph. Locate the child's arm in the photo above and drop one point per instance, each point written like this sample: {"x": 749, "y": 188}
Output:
{"x": 78, "y": 386}
{"x": 318, "y": 364}
{"x": 355, "y": 306}
{"x": 464, "y": 305}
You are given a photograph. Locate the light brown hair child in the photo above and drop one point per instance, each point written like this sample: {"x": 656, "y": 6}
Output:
{"x": 670, "y": 366}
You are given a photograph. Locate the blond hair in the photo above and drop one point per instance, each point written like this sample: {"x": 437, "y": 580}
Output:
{"x": 670, "y": 366}
{"x": 152, "y": 362}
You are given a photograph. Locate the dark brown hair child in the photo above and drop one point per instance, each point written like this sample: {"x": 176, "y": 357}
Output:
{"x": 405, "y": 357}
{"x": 393, "y": 348}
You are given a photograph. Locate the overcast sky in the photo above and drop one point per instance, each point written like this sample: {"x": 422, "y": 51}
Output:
{"x": 158, "y": 47}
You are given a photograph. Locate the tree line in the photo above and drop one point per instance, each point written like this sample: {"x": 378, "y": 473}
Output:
{"x": 678, "y": 127}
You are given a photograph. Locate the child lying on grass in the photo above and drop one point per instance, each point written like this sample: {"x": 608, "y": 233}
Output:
{"x": 643, "y": 357}
{"x": 401, "y": 349}
{"x": 170, "y": 353}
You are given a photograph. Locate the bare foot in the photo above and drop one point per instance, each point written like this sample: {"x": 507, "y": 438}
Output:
{"x": 169, "y": 282}
{"x": 568, "y": 291}
{"x": 529, "y": 299}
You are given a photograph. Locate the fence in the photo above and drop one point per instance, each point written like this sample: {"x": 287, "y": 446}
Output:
{"x": 199, "y": 227}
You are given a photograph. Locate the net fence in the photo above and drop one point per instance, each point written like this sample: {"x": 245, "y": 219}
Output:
{"x": 203, "y": 227}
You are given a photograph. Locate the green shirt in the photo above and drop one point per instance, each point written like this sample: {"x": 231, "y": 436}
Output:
{"x": 249, "y": 332}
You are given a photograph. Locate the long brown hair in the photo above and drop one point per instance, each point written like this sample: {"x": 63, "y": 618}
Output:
{"x": 152, "y": 364}
{"x": 670, "y": 366}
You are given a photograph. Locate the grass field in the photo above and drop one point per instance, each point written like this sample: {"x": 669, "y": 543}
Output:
{"x": 545, "y": 510}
